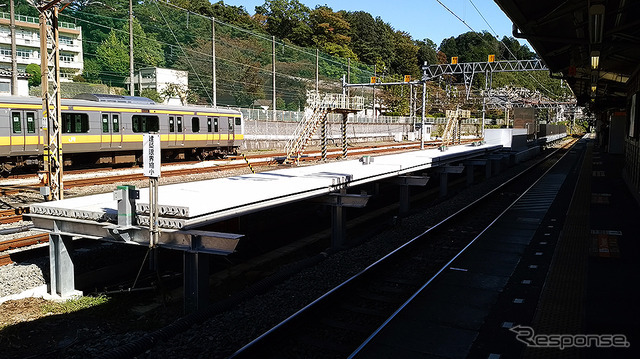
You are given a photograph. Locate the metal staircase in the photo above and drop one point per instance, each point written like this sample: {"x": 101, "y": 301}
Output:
{"x": 318, "y": 107}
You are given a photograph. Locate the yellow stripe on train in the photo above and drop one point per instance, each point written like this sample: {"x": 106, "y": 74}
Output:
{"x": 85, "y": 139}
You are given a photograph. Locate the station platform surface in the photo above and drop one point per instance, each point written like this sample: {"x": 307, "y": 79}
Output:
{"x": 193, "y": 204}
{"x": 560, "y": 262}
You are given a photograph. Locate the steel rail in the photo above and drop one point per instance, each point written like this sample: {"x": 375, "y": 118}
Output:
{"x": 387, "y": 258}
{"x": 446, "y": 265}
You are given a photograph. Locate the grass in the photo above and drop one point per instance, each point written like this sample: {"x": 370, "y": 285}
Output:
{"x": 73, "y": 305}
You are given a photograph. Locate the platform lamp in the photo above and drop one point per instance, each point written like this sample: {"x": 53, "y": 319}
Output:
{"x": 595, "y": 60}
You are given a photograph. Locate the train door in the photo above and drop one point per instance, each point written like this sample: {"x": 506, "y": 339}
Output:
{"x": 179, "y": 131}
{"x": 172, "y": 131}
{"x": 230, "y": 128}
{"x": 213, "y": 131}
{"x": 111, "y": 136}
{"x": 24, "y": 132}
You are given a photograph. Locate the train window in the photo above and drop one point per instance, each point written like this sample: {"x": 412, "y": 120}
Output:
{"x": 215, "y": 125}
{"x": 105, "y": 123}
{"x": 75, "y": 123}
{"x": 208, "y": 124}
{"x": 230, "y": 124}
{"x": 172, "y": 126}
{"x": 179, "y": 122}
{"x": 17, "y": 125}
{"x": 238, "y": 121}
{"x": 195, "y": 124}
{"x": 31, "y": 122}
{"x": 115, "y": 121}
{"x": 145, "y": 123}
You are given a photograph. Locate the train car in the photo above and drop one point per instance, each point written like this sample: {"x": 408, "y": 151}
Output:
{"x": 107, "y": 129}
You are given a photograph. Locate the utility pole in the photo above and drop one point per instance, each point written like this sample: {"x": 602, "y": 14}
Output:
{"x": 213, "y": 62}
{"x": 273, "y": 71}
{"x": 52, "y": 158}
{"x": 349, "y": 76}
{"x": 424, "y": 109}
{"x": 14, "y": 60}
{"x": 317, "y": 71}
{"x": 131, "y": 83}
{"x": 375, "y": 75}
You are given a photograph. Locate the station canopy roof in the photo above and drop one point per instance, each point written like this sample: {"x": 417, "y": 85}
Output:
{"x": 593, "y": 45}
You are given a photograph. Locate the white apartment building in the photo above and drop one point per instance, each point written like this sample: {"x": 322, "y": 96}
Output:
{"x": 28, "y": 45}
{"x": 160, "y": 79}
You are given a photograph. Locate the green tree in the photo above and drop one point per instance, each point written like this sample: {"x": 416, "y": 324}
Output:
{"x": 152, "y": 94}
{"x": 330, "y": 32}
{"x": 287, "y": 19}
{"x": 371, "y": 39}
{"x": 427, "y": 52}
{"x": 405, "y": 60}
{"x": 36, "y": 74}
{"x": 113, "y": 57}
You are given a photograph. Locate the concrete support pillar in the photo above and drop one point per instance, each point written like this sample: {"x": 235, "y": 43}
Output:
{"x": 338, "y": 202}
{"x": 404, "y": 199}
{"x": 324, "y": 138}
{"x": 344, "y": 134}
{"x": 338, "y": 226}
{"x": 61, "y": 266}
{"x": 444, "y": 177}
{"x": 196, "y": 281}
{"x": 469, "y": 169}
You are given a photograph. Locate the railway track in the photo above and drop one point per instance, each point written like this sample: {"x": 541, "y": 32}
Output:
{"x": 256, "y": 160}
{"x": 17, "y": 243}
{"x": 12, "y": 215}
{"x": 334, "y": 325}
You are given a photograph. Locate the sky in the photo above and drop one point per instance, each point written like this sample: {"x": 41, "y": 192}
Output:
{"x": 420, "y": 18}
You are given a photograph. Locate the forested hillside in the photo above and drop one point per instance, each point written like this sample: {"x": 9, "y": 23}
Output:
{"x": 178, "y": 34}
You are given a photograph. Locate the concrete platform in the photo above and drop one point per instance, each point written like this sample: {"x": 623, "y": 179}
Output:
{"x": 193, "y": 204}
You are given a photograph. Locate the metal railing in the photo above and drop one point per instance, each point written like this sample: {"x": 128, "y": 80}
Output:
{"x": 35, "y": 20}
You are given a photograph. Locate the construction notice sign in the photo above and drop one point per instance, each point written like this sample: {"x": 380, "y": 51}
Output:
{"x": 372, "y": 80}
{"x": 151, "y": 155}
{"x": 454, "y": 60}
{"x": 407, "y": 78}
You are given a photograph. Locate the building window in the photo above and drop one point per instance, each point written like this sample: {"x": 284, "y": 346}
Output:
{"x": 5, "y": 52}
{"x": 66, "y": 40}
{"x": 66, "y": 58}
{"x": 75, "y": 123}
{"x": 144, "y": 123}
{"x": 25, "y": 54}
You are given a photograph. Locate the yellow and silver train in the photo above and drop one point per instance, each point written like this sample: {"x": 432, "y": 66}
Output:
{"x": 107, "y": 129}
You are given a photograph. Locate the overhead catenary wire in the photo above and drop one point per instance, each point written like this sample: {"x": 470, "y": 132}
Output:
{"x": 483, "y": 39}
